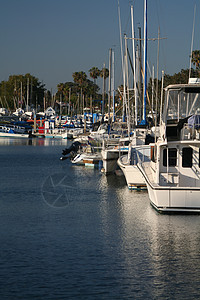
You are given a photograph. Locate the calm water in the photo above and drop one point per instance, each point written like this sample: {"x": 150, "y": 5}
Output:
{"x": 68, "y": 232}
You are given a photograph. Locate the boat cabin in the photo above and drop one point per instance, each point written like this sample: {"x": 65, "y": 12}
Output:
{"x": 181, "y": 112}
{"x": 176, "y": 156}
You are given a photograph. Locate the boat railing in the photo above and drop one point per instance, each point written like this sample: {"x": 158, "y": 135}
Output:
{"x": 143, "y": 154}
{"x": 190, "y": 133}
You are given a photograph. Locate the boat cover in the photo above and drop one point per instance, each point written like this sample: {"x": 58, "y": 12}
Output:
{"x": 194, "y": 122}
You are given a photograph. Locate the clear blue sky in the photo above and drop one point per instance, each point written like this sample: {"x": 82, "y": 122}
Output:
{"x": 51, "y": 39}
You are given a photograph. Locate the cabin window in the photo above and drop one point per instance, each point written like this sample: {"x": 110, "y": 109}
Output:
{"x": 172, "y": 157}
{"x": 187, "y": 157}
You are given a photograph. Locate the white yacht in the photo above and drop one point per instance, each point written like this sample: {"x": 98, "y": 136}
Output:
{"x": 173, "y": 173}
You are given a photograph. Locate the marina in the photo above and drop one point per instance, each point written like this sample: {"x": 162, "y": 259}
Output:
{"x": 100, "y": 153}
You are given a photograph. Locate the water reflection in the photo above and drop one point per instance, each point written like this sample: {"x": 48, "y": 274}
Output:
{"x": 159, "y": 254}
{"x": 33, "y": 142}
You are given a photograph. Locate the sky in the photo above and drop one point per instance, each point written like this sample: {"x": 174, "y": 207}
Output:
{"x": 52, "y": 39}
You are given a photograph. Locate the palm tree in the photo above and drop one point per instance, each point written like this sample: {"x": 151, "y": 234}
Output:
{"x": 104, "y": 73}
{"x": 196, "y": 60}
{"x": 81, "y": 79}
{"x": 94, "y": 73}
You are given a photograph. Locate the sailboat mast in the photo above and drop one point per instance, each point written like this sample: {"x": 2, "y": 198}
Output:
{"x": 27, "y": 94}
{"x": 192, "y": 42}
{"x": 134, "y": 67}
{"x": 113, "y": 84}
{"x": 109, "y": 84}
{"x": 123, "y": 70}
{"x": 145, "y": 60}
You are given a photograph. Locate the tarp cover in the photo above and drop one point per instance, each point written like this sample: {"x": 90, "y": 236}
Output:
{"x": 194, "y": 122}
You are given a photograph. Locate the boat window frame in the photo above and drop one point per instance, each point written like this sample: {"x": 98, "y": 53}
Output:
{"x": 185, "y": 161}
{"x": 171, "y": 159}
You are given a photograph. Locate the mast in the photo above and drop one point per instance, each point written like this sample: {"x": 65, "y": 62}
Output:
{"x": 21, "y": 94}
{"x": 145, "y": 61}
{"x": 27, "y": 94}
{"x": 140, "y": 73}
{"x": 127, "y": 102}
{"x": 103, "y": 94}
{"x": 152, "y": 89}
{"x": 113, "y": 83}
{"x": 123, "y": 71}
{"x": 192, "y": 42}
{"x": 134, "y": 68}
{"x": 109, "y": 86}
{"x": 157, "y": 75}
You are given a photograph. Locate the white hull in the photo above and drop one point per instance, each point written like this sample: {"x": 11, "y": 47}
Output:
{"x": 87, "y": 159}
{"x": 128, "y": 165}
{"x": 134, "y": 178}
{"x": 110, "y": 157}
{"x": 72, "y": 133}
{"x": 173, "y": 199}
{"x": 13, "y": 135}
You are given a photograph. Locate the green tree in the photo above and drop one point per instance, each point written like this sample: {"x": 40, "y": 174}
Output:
{"x": 94, "y": 73}
{"x": 73, "y": 89}
{"x": 79, "y": 78}
{"x": 13, "y": 92}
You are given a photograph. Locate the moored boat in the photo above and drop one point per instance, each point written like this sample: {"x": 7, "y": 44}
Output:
{"x": 173, "y": 173}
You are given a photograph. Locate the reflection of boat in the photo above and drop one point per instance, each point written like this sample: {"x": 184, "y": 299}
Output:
{"x": 173, "y": 174}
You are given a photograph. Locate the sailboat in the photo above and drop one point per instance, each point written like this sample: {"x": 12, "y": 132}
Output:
{"x": 141, "y": 135}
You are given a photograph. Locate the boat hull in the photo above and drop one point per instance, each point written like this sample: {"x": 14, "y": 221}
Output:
{"x": 133, "y": 176}
{"x": 13, "y": 135}
{"x": 173, "y": 199}
{"x": 110, "y": 157}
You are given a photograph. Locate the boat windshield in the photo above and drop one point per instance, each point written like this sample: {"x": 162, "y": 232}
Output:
{"x": 182, "y": 103}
